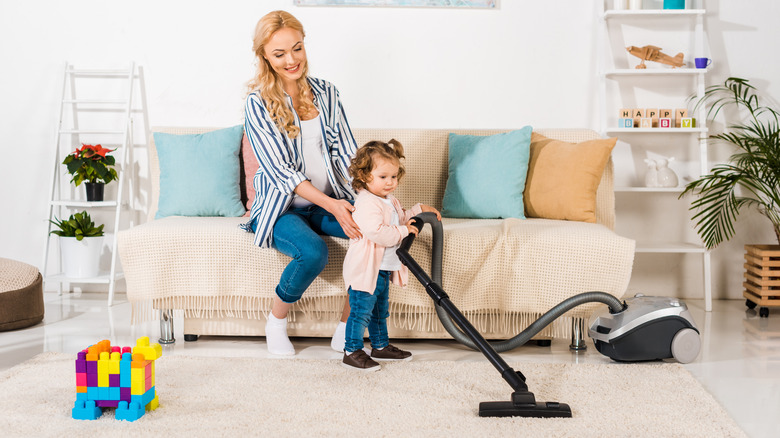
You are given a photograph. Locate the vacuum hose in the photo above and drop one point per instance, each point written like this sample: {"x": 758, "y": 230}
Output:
{"x": 615, "y": 305}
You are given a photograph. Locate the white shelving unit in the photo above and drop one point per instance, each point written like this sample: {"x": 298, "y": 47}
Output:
{"x": 118, "y": 133}
{"x": 623, "y": 78}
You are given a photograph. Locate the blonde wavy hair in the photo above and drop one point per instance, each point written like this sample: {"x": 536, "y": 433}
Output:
{"x": 268, "y": 83}
{"x": 366, "y": 157}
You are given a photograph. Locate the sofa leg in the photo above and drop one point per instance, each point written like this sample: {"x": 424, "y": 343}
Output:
{"x": 166, "y": 326}
{"x": 577, "y": 341}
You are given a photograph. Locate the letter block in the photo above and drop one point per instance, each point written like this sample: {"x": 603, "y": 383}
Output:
{"x": 665, "y": 122}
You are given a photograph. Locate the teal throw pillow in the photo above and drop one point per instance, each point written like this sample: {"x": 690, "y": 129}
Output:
{"x": 199, "y": 173}
{"x": 487, "y": 175}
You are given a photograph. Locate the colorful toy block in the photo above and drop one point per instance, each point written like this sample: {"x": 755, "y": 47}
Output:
{"x": 110, "y": 377}
{"x": 646, "y": 122}
{"x": 665, "y": 122}
{"x": 679, "y": 114}
{"x": 625, "y": 123}
{"x": 688, "y": 122}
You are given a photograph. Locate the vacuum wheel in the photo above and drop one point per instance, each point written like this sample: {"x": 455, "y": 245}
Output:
{"x": 750, "y": 304}
{"x": 686, "y": 345}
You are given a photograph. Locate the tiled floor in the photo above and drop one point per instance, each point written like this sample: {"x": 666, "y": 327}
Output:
{"x": 739, "y": 363}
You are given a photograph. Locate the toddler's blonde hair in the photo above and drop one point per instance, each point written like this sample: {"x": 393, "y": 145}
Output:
{"x": 366, "y": 157}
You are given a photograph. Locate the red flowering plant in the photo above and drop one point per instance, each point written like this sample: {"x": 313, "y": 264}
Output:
{"x": 91, "y": 164}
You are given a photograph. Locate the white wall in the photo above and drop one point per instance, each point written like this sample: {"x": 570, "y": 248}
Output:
{"x": 525, "y": 62}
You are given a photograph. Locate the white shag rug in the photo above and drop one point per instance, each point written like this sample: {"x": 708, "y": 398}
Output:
{"x": 210, "y": 396}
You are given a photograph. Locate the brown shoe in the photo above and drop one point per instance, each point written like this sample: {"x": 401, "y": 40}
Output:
{"x": 391, "y": 352}
{"x": 359, "y": 361}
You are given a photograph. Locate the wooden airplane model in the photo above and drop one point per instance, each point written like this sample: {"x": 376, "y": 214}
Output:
{"x": 653, "y": 53}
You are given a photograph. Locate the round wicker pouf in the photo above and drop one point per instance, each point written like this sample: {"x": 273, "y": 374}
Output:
{"x": 21, "y": 295}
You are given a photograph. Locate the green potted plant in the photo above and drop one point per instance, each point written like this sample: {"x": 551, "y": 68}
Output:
{"x": 93, "y": 165}
{"x": 81, "y": 242}
{"x": 751, "y": 178}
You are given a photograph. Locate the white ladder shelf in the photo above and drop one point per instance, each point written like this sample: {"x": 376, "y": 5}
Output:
{"x": 68, "y": 136}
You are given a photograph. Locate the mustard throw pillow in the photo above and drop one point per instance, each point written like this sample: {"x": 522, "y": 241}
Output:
{"x": 563, "y": 178}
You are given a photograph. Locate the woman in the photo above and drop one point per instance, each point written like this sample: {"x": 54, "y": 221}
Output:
{"x": 301, "y": 138}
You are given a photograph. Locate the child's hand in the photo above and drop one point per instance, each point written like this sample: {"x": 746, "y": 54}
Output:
{"x": 412, "y": 229}
{"x": 429, "y": 209}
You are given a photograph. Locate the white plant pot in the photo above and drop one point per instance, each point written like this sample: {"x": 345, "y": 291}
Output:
{"x": 81, "y": 259}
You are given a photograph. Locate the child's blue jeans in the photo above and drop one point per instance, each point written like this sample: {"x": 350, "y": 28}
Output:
{"x": 369, "y": 310}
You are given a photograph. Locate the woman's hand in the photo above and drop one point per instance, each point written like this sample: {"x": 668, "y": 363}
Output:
{"x": 342, "y": 210}
{"x": 429, "y": 209}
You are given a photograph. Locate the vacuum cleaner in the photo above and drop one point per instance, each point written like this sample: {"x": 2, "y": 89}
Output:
{"x": 639, "y": 329}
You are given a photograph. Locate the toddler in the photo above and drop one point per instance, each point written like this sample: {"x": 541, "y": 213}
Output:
{"x": 371, "y": 261}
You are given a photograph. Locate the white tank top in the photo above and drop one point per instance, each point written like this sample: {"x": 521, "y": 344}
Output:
{"x": 391, "y": 262}
{"x": 313, "y": 159}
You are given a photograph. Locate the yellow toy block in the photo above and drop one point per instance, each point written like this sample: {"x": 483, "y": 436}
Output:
{"x": 150, "y": 352}
{"x": 102, "y": 369}
{"x": 154, "y": 404}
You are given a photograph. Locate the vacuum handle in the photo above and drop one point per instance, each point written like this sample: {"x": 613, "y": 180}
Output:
{"x": 418, "y": 223}
{"x": 515, "y": 379}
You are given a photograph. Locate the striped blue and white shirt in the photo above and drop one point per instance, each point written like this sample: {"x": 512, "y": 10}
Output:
{"x": 281, "y": 158}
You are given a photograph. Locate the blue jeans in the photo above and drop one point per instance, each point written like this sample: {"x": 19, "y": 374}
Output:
{"x": 297, "y": 235}
{"x": 369, "y": 310}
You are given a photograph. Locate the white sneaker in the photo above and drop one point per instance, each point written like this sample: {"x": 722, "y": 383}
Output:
{"x": 276, "y": 337}
{"x": 339, "y": 337}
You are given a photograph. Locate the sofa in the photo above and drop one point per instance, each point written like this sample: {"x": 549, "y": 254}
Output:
{"x": 501, "y": 273}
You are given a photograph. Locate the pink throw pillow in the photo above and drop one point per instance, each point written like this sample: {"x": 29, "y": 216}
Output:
{"x": 250, "y": 169}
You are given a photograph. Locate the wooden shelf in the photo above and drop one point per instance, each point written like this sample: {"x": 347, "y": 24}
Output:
{"x": 657, "y": 130}
{"x": 669, "y": 248}
{"x": 102, "y": 278}
{"x": 84, "y": 204}
{"x": 645, "y": 13}
{"x": 656, "y": 71}
{"x": 649, "y": 189}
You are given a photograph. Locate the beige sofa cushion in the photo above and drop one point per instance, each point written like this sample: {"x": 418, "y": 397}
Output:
{"x": 563, "y": 178}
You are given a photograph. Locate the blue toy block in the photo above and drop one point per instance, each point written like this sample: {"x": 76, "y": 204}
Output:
{"x": 113, "y": 393}
{"x": 86, "y": 410}
{"x": 626, "y": 123}
{"x": 129, "y": 412}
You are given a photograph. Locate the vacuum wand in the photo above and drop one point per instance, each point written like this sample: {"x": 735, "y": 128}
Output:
{"x": 523, "y": 402}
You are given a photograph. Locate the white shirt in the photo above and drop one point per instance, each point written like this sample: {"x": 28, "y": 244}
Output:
{"x": 390, "y": 261}
{"x": 313, "y": 159}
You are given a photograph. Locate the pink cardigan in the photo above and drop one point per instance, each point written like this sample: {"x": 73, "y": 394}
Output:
{"x": 364, "y": 256}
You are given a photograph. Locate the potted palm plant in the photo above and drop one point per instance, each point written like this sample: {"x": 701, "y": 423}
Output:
{"x": 751, "y": 178}
{"x": 81, "y": 243}
{"x": 93, "y": 165}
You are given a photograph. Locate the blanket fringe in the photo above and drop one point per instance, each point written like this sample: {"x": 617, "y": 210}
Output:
{"x": 236, "y": 306}
{"x": 405, "y": 316}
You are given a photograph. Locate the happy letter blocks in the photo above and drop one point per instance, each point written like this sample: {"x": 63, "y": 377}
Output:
{"x": 110, "y": 377}
{"x": 655, "y": 118}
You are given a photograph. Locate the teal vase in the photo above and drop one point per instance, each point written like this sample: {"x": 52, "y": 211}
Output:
{"x": 674, "y": 4}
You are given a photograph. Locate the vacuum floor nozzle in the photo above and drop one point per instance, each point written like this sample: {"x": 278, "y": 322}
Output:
{"x": 530, "y": 410}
